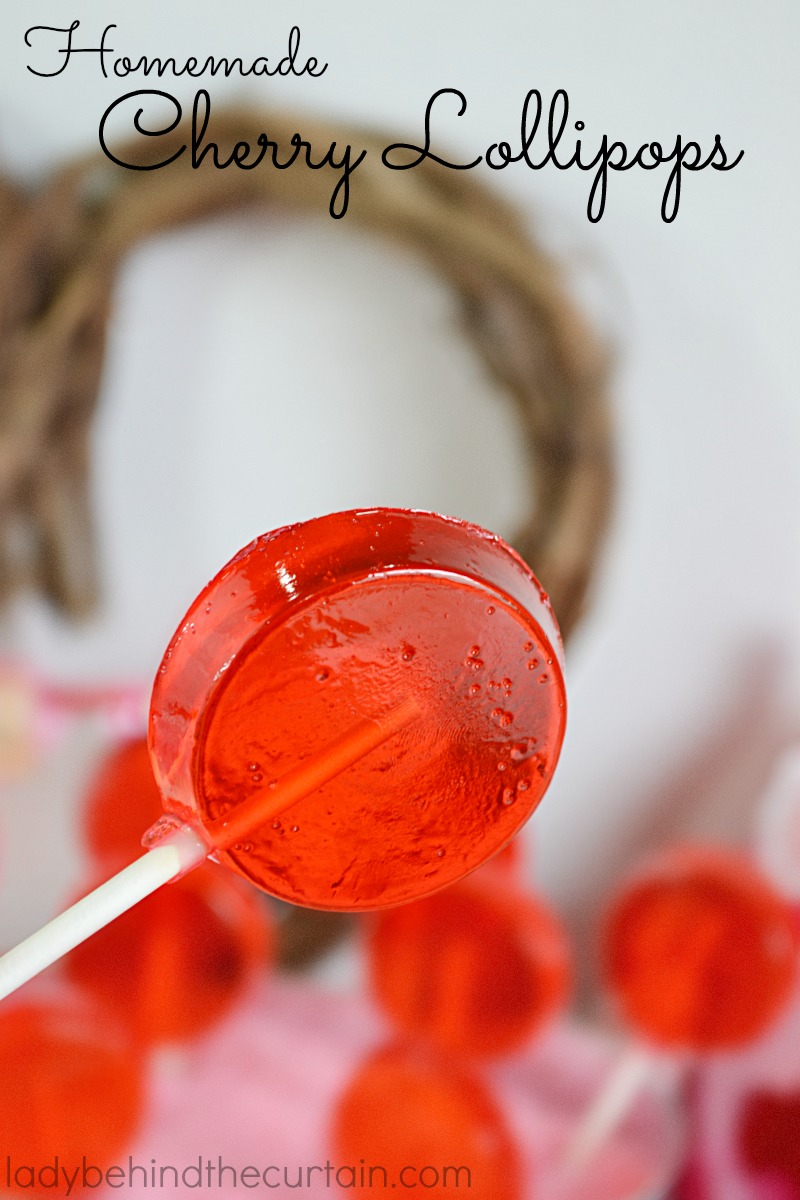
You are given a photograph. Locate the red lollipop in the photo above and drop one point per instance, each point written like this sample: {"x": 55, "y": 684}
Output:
{"x": 408, "y": 1119}
{"x": 428, "y": 625}
{"x": 122, "y": 800}
{"x": 699, "y": 952}
{"x": 175, "y": 964}
{"x": 71, "y": 1088}
{"x": 700, "y": 955}
{"x": 356, "y": 712}
{"x": 475, "y": 970}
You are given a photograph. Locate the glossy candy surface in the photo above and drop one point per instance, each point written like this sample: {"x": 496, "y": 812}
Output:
{"x": 419, "y": 1118}
{"x": 352, "y": 617}
{"x": 174, "y": 964}
{"x": 476, "y": 970}
{"x": 122, "y": 801}
{"x": 698, "y": 950}
{"x": 71, "y": 1087}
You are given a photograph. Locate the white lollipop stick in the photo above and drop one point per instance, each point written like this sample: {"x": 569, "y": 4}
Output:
{"x": 778, "y": 825}
{"x": 636, "y": 1065}
{"x": 184, "y": 848}
{"x": 177, "y": 854}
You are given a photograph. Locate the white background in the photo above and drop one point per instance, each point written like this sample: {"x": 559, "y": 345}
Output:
{"x": 263, "y": 373}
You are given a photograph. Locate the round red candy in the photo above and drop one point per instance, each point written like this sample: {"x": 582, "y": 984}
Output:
{"x": 123, "y": 801}
{"x": 316, "y": 627}
{"x": 72, "y": 1088}
{"x": 698, "y": 950}
{"x": 476, "y": 970}
{"x": 407, "y": 1119}
{"x": 173, "y": 965}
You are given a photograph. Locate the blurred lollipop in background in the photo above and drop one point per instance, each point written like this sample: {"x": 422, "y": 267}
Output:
{"x": 121, "y": 802}
{"x": 177, "y": 963}
{"x": 476, "y": 970}
{"x": 700, "y": 955}
{"x": 699, "y": 951}
{"x": 745, "y": 1107}
{"x": 470, "y": 973}
{"x": 412, "y": 1118}
{"x": 72, "y": 1088}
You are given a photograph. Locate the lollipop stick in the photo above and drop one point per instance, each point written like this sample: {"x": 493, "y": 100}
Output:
{"x": 338, "y": 755}
{"x": 626, "y": 1080}
{"x": 184, "y": 849}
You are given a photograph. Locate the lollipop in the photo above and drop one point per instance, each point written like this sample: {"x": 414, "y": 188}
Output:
{"x": 409, "y": 1119}
{"x": 507, "y": 866}
{"x": 72, "y": 1089}
{"x": 475, "y": 970}
{"x": 699, "y": 952}
{"x": 174, "y": 965}
{"x": 356, "y": 712}
{"x": 700, "y": 955}
{"x": 122, "y": 801}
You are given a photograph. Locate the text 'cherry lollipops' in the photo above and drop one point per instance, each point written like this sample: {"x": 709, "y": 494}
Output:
{"x": 356, "y": 712}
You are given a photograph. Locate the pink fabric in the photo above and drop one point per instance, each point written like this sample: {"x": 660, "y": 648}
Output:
{"x": 261, "y": 1089}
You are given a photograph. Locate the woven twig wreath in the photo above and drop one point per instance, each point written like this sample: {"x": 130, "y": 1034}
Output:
{"x": 60, "y": 251}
